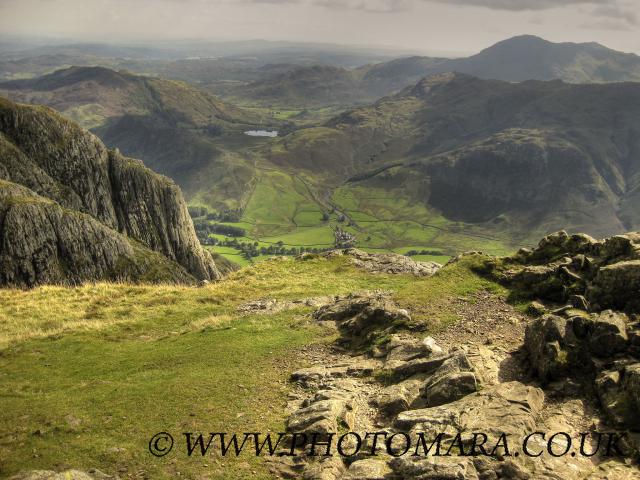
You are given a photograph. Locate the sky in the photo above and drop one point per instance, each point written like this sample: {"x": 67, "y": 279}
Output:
{"x": 456, "y": 26}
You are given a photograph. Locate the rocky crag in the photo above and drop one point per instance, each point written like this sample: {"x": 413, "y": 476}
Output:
{"x": 568, "y": 365}
{"x": 73, "y": 211}
{"x": 590, "y": 326}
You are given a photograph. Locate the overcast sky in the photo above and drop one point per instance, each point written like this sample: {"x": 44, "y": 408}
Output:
{"x": 463, "y": 26}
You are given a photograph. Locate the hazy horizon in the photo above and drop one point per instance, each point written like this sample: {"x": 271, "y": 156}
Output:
{"x": 434, "y": 26}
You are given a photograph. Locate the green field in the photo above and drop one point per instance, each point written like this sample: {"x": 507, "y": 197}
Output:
{"x": 288, "y": 208}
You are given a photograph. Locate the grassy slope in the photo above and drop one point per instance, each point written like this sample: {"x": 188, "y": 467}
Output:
{"x": 89, "y": 374}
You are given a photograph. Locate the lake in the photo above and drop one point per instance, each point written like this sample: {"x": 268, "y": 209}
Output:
{"x": 261, "y": 133}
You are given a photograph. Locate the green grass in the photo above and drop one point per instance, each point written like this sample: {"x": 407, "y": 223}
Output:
{"x": 89, "y": 374}
{"x": 397, "y": 223}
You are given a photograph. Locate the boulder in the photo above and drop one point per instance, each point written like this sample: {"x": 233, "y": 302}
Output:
{"x": 621, "y": 246}
{"x": 362, "y": 319}
{"x": 453, "y": 380}
{"x": 608, "y": 334}
{"x": 404, "y": 350}
{"x": 368, "y": 469}
{"x": 323, "y": 416}
{"x": 328, "y": 468}
{"x": 617, "y": 286}
{"x": 315, "y": 375}
{"x": 439, "y": 468}
{"x": 509, "y": 407}
{"x": 619, "y": 395}
{"x": 399, "y": 397}
{"x": 544, "y": 341}
{"x": 418, "y": 365}
{"x": 449, "y": 388}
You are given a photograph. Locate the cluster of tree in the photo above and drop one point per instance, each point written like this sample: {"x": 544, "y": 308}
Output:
{"x": 413, "y": 253}
{"x": 253, "y": 249}
{"x": 197, "y": 211}
{"x": 326, "y": 216}
{"x": 204, "y": 229}
{"x": 230, "y": 215}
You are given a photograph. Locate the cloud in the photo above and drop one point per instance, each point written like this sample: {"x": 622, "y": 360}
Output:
{"x": 521, "y": 5}
{"x": 379, "y": 6}
{"x": 616, "y": 13}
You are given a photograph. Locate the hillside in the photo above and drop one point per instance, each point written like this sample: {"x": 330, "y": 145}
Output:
{"x": 520, "y": 159}
{"x": 73, "y": 211}
{"x": 117, "y": 93}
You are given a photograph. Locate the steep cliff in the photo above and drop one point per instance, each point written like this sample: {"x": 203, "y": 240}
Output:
{"x": 72, "y": 210}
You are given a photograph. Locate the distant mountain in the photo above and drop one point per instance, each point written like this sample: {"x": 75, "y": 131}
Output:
{"x": 385, "y": 78}
{"x": 520, "y": 158}
{"x": 516, "y": 59}
{"x": 532, "y": 58}
{"x": 73, "y": 211}
{"x": 117, "y": 93}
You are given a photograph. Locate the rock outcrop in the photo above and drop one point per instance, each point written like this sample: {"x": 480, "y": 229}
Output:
{"x": 461, "y": 392}
{"x": 72, "y": 211}
{"x": 590, "y": 331}
{"x": 596, "y": 274}
{"x": 392, "y": 263}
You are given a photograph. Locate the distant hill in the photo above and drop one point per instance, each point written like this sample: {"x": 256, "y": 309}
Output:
{"x": 307, "y": 86}
{"x": 521, "y": 158}
{"x": 317, "y": 85}
{"x": 172, "y": 126}
{"x": 73, "y": 211}
{"x": 117, "y": 93}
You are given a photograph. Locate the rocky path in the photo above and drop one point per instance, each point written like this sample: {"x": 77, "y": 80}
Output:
{"x": 472, "y": 377}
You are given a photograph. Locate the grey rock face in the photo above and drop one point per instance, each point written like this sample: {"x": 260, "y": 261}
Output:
{"x": 40, "y": 242}
{"x": 544, "y": 340}
{"x": 85, "y": 205}
{"x": 151, "y": 209}
{"x": 619, "y": 394}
